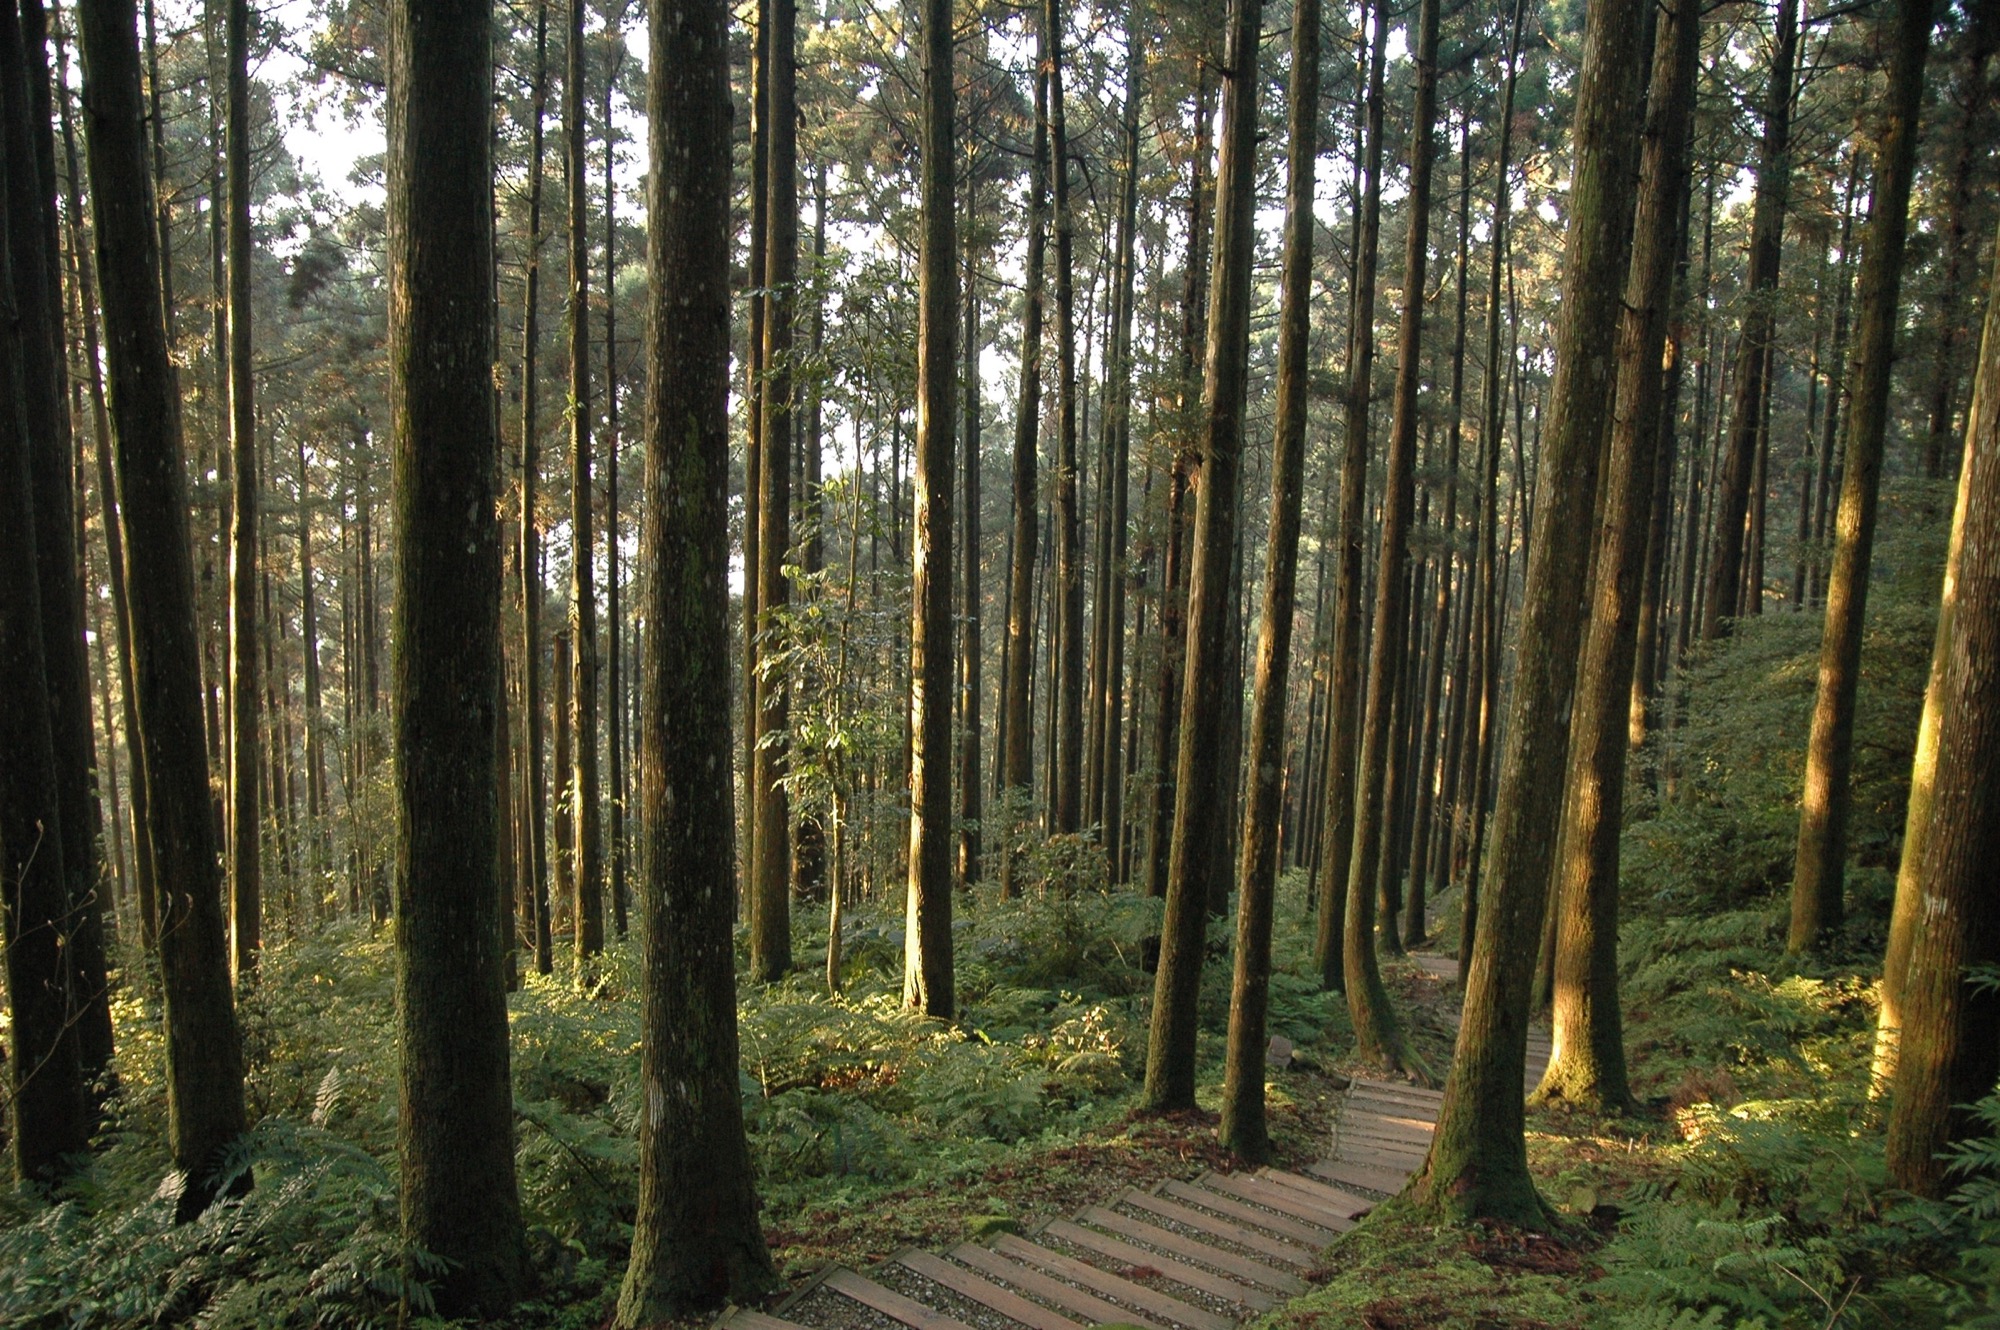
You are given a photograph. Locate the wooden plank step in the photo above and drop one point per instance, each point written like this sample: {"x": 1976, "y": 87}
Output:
{"x": 1093, "y": 1309}
{"x": 1206, "y": 1281}
{"x": 1331, "y": 1199}
{"x": 1273, "y": 1197}
{"x": 889, "y": 1302}
{"x": 1358, "y": 1145}
{"x": 1308, "y": 1235}
{"x": 1200, "y": 1220}
{"x": 745, "y": 1318}
{"x": 1421, "y": 1121}
{"x": 1387, "y": 1180}
{"x": 1166, "y": 1239}
{"x": 983, "y": 1291}
{"x": 1375, "y": 1124}
{"x": 1396, "y": 1093}
{"x": 1114, "y": 1286}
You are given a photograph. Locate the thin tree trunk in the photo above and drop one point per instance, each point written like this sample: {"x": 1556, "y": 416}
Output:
{"x": 1767, "y": 233}
{"x": 246, "y": 912}
{"x": 927, "y": 960}
{"x": 536, "y": 776}
{"x": 1244, "y": 1129}
{"x": 615, "y": 689}
{"x": 589, "y": 881}
{"x": 1066, "y": 797}
{"x": 1377, "y": 1036}
{"x": 204, "y": 1052}
{"x": 1198, "y": 822}
{"x": 1822, "y": 844}
{"x": 970, "y": 806}
{"x": 695, "y": 1239}
{"x": 1972, "y": 97}
{"x": 1478, "y": 1163}
{"x": 1337, "y": 847}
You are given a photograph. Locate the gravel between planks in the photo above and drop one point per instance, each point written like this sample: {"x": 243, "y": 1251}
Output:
{"x": 939, "y": 1298}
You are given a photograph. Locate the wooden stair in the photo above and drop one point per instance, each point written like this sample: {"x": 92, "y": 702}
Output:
{"x": 1205, "y": 1254}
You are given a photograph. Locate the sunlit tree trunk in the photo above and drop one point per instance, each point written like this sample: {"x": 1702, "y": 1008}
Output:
{"x": 1820, "y": 863}
{"x": 536, "y": 776}
{"x": 1588, "y": 1064}
{"x": 1478, "y": 1162}
{"x": 246, "y": 912}
{"x": 588, "y": 904}
{"x": 1244, "y": 1129}
{"x": 1947, "y": 1056}
{"x": 1198, "y": 822}
{"x": 927, "y": 961}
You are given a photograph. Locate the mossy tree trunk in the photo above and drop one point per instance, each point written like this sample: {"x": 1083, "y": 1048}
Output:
{"x": 1478, "y": 1162}
{"x": 455, "y": 1128}
{"x": 1588, "y": 1065}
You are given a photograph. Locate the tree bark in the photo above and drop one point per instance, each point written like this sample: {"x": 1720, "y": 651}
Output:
{"x": 771, "y": 850}
{"x": 1244, "y": 1129}
{"x": 1947, "y": 1056}
{"x": 245, "y": 744}
{"x": 927, "y": 960}
{"x": 536, "y": 776}
{"x": 1337, "y": 843}
{"x": 204, "y": 1051}
{"x": 456, "y": 1116}
{"x": 588, "y": 904}
{"x": 695, "y": 1238}
{"x": 1198, "y": 822}
{"x": 1478, "y": 1163}
{"x": 1377, "y": 1036}
{"x": 1588, "y": 1063}
{"x": 1066, "y": 798}
{"x": 1822, "y": 843}
{"x": 1767, "y": 233}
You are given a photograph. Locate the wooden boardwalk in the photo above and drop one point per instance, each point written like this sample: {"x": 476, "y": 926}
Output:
{"x": 1201, "y": 1255}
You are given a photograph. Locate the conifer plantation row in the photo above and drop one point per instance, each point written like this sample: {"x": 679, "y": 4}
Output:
{"x": 646, "y": 648}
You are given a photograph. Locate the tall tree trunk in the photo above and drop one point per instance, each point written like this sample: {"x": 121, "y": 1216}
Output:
{"x": 536, "y": 776}
{"x": 771, "y": 850}
{"x": 1972, "y": 98}
{"x": 589, "y": 882}
{"x": 1243, "y": 1124}
{"x": 48, "y": 1108}
{"x": 1066, "y": 798}
{"x": 695, "y": 1236}
{"x": 455, "y": 1107}
{"x": 33, "y": 238}
{"x": 1198, "y": 822}
{"x": 1478, "y": 1162}
{"x": 753, "y": 441}
{"x": 970, "y": 806}
{"x": 1337, "y": 843}
{"x": 1947, "y": 1056}
{"x": 204, "y": 1051}
{"x": 1173, "y": 559}
{"x": 1767, "y": 234}
{"x": 927, "y": 960}
{"x": 1588, "y": 1065}
{"x": 615, "y": 687}
{"x": 1829, "y": 426}
{"x": 1821, "y": 858}
{"x": 1416, "y": 927}
{"x": 1017, "y": 710}
{"x": 1377, "y": 1037}
{"x": 245, "y": 744}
